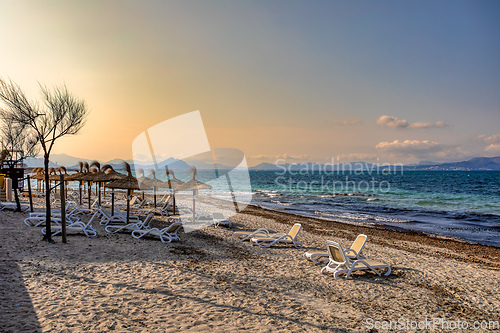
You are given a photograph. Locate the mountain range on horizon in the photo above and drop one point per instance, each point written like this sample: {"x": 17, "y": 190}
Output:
{"x": 476, "y": 163}
{"x": 72, "y": 163}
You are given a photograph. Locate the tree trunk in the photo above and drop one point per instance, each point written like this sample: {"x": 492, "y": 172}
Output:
{"x": 18, "y": 203}
{"x": 15, "y": 185}
{"x": 48, "y": 230}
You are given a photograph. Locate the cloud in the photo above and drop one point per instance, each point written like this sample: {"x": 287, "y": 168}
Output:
{"x": 493, "y": 148}
{"x": 273, "y": 158}
{"x": 407, "y": 145}
{"x": 415, "y": 149}
{"x": 391, "y": 121}
{"x": 347, "y": 122}
{"x": 356, "y": 157}
{"x": 428, "y": 125}
{"x": 492, "y": 142}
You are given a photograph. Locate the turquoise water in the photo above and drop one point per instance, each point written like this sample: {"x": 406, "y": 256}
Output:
{"x": 458, "y": 204}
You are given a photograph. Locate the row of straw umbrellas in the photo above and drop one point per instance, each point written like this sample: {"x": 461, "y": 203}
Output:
{"x": 94, "y": 173}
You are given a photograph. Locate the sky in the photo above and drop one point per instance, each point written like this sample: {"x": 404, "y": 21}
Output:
{"x": 295, "y": 81}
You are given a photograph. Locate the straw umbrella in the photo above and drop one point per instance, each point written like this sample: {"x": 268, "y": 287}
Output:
{"x": 96, "y": 175}
{"x": 172, "y": 184}
{"x": 76, "y": 177}
{"x": 56, "y": 177}
{"x": 128, "y": 183}
{"x": 193, "y": 185}
{"x": 87, "y": 167}
{"x": 155, "y": 183}
{"x": 109, "y": 175}
{"x": 39, "y": 176}
{"x": 86, "y": 177}
{"x": 52, "y": 176}
{"x": 144, "y": 182}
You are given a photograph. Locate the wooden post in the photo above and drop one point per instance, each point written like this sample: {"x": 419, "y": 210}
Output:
{"x": 173, "y": 201}
{"x": 63, "y": 210}
{"x": 112, "y": 202}
{"x": 128, "y": 206}
{"x": 232, "y": 193}
{"x": 99, "y": 194}
{"x": 89, "y": 192}
{"x": 80, "y": 190}
{"x": 29, "y": 194}
{"x": 154, "y": 190}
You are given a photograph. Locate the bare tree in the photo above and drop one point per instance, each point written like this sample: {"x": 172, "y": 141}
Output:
{"x": 60, "y": 114}
{"x": 17, "y": 142}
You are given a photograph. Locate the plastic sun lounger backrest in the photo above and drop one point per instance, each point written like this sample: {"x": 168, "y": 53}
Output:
{"x": 295, "y": 230}
{"x": 165, "y": 205}
{"x": 173, "y": 227}
{"x": 337, "y": 253}
{"x": 133, "y": 200}
{"x": 359, "y": 243}
{"x": 148, "y": 219}
{"x": 218, "y": 216}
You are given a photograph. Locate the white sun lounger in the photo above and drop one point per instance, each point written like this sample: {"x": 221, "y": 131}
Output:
{"x": 13, "y": 206}
{"x": 118, "y": 216}
{"x": 339, "y": 263}
{"x": 130, "y": 226}
{"x": 39, "y": 219}
{"x": 247, "y": 235}
{"x": 321, "y": 257}
{"x": 77, "y": 226}
{"x": 290, "y": 238}
{"x": 219, "y": 219}
{"x": 166, "y": 235}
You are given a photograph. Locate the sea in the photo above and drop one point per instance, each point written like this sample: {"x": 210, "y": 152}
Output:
{"x": 459, "y": 204}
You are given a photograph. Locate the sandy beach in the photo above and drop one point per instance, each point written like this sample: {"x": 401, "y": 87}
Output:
{"x": 209, "y": 282}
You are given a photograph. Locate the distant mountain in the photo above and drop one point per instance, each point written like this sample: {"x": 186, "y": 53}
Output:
{"x": 37, "y": 162}
{"x": 267, "y": 167}
{"x": 118, "y": 161}
{"x": 318, "y": 167}
{"x": 427, "y": 163}
{"x": 72, "y": 163}
{"x": 66, "y": 160}
{"x": 171, "y": 163}
{"x": 478, "y": 163}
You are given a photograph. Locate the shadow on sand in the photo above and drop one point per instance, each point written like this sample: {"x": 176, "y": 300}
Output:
{"x": 17, "y": 313}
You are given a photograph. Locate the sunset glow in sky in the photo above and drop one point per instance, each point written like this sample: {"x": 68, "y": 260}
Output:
{"x": 401, "y": 81}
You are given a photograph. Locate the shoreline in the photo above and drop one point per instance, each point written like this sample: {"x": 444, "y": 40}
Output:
{"x": 387, "y": 235}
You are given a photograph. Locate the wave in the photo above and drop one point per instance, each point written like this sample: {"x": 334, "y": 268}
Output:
{"x": 287, "y": 204}
{"x": 363, "y": 217}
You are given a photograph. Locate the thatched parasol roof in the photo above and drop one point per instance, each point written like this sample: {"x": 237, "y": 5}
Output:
{"x": 154, "y": 182}
{"x": 193, "y": 184}
{"x": 144, "y": 182}
{"x": 129, "y": 182}
{"x": 39, "y": 174}
{"x": 54, "y": 176}
{"x": 84, "y": 170}
{"x": 172, "y": 183}
{"x": 110, "y": 174}
{"x": 95, "y": 173}
{"x": 76, "y": 175}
